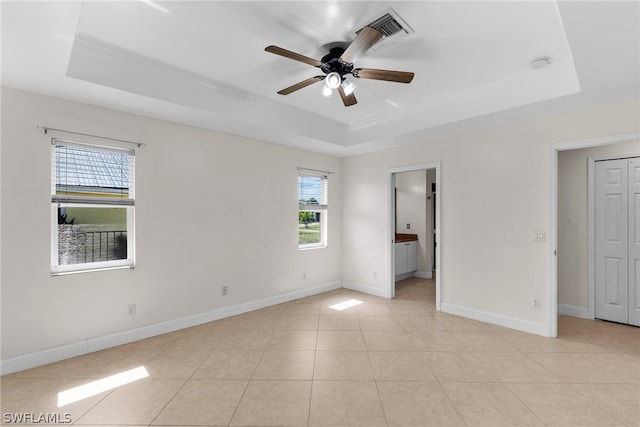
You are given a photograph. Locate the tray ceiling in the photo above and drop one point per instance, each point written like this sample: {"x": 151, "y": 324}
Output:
{"x": 203, "y": 63}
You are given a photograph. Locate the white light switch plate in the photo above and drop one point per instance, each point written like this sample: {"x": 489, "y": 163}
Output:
{"x": 538, "y": 236}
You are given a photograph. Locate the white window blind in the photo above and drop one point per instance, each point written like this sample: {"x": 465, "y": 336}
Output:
{"x": 312, "y": 191}
{"x": 88, "y": 174}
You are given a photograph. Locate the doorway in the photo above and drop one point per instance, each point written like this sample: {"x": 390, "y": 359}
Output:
{"x": 582, "y": 265}
{"x": 616, "y": 209}
{"x": 431, "y": 224}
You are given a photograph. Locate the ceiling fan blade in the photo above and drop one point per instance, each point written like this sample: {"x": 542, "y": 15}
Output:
{"x": 300, "y": 85}
{"x": 390, "y": 76}
{"x": 347, "y": 100}
{"x": 366, "y": 38}
{"x": 292, "y": 55}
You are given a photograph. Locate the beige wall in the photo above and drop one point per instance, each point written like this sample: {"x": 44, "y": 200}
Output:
{"x": 217, "y": 186}
{"x": 573, "y": 257}
{"x": 211, "y": 209}
{"x": 495, "y": 190}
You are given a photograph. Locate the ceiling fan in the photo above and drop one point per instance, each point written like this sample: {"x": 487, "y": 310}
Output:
{"x": 338, "y": 63}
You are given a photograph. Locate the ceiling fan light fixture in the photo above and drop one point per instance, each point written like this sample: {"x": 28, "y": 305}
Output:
{"x": 339, "y": 63}
{"x": 348, "y": 87}
{"x": 333, "y": 80}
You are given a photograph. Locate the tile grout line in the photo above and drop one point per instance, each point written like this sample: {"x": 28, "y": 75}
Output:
{"x": 313, "y": 371}
{"x": 93, "y": 406}
{"x": 252, "y": 375}
{"x": 183, "y": 385}
{"x": 114, "y": 389}
{"x": 437, "y": 380}
{"x": 603, "y": 408}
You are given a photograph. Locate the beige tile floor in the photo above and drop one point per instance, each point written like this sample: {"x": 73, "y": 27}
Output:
{"x": 382, "y": 363}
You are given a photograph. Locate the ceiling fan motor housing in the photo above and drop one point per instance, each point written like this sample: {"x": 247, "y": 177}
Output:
{"x": 331, "y": 63}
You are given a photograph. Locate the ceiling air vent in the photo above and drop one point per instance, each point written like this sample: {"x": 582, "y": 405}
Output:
{"x": 390, "y": 24}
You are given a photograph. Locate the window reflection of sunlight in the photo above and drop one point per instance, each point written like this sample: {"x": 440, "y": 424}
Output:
{"x": 96, "y": 387}
{"x": 345, "y": 304}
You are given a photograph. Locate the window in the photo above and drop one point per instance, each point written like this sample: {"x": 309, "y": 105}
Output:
{"x": 92, "y": 207}
{"x": 312, "y": 215}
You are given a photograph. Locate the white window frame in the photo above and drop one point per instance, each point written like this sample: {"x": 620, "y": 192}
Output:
{"x": 321, "y": 208}
{"x": 91, "y": 202}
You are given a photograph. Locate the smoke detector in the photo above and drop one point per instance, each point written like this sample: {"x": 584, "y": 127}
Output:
{"x": 541, "y": 62}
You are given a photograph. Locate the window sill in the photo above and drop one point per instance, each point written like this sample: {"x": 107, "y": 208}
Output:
{"x": 92, "y": 270}
{"x": 310, "y": 248}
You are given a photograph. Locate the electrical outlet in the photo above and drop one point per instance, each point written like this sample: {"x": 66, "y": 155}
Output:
{"x": 131, "y": 310}
{"x": 535, "y": 303}
{"x": 408, "y": 226}
{"x": 225, "y": 290}
{"x": 375, "y": 274}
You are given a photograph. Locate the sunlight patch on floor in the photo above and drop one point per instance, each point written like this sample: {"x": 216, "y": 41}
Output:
{"x": 345, "y": 304}
{"x": 96, "y": 387}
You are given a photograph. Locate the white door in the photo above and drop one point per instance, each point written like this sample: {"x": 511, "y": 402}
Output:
{"x": 634, "y": 241}
{"x": 617, "y": 240}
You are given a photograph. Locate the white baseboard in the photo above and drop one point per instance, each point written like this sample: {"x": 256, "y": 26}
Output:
{"x": 418, "y": 274}
{"x": 423, "y": 274}
{"x": 55, "y": 354}
{"x": 384, "y": 293}
{"x": 571, "y": 310}
{"x": 403, "y": 276}
{"x": 498, "y": 319}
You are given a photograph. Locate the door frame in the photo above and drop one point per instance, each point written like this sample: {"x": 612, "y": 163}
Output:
{"x": 391, "y": 290}
{"x": 552, "y": 280}
{"x": 591, "y": 221}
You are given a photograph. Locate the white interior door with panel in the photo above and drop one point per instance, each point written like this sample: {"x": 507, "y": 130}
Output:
{"x": 634, "y": 241}
{"x": 617, "y": 240}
